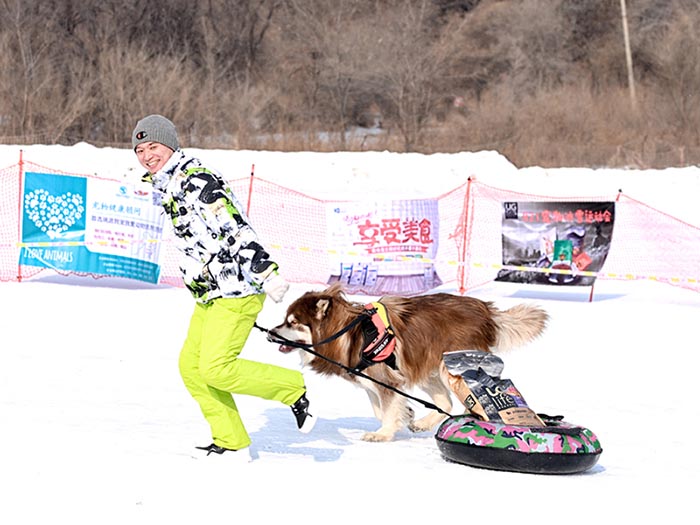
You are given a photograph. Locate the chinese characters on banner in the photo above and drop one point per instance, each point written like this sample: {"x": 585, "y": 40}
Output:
{"x": 90, "y": 226}
{"x": 571, "y": 238}
{"x": 384, "y": 247}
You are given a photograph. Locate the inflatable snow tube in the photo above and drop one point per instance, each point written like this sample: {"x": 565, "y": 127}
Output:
{"x": 557, "y": 448}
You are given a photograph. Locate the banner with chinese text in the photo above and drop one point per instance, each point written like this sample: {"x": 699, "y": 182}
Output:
{"x": 384, "y": 247}
{"x": 565, "y": 243}
{"x": 90, "y": 226}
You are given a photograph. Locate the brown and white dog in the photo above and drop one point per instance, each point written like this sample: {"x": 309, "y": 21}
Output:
{"x": 425, "y": 327}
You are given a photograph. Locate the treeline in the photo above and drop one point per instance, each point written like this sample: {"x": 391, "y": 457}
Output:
{"x": 545, "y": 82}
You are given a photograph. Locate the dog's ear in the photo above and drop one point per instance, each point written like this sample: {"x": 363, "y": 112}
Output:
{"x": 322, "y": 307}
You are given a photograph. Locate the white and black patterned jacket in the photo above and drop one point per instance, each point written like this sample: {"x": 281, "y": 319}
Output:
{"x": 222, "y": 255}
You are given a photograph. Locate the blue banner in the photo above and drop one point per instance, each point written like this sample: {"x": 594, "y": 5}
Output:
{"x": 93, "y": 226}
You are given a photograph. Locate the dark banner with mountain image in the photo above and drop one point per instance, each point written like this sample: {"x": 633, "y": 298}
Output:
{"x": 557, "y": 243}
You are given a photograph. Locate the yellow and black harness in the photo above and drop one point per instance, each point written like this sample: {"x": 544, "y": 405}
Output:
{"x": 378, "y": 336}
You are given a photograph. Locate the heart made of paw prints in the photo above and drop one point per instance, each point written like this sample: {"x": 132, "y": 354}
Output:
{"x": 53, "y": 214}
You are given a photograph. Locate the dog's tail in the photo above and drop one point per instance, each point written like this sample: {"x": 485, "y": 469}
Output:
{"x": 519, "y": 325}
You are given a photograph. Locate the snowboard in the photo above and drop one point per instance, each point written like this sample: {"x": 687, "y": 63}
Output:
{"x": 461, "y": 362}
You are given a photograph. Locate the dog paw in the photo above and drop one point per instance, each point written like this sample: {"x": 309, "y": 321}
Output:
{"x": 417, "y": 426}
{"x": 426, "y": 423}
{"x": 376, "y": 437}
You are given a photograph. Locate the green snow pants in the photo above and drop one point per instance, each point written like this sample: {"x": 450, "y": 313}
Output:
{"x": 212, "y": 371}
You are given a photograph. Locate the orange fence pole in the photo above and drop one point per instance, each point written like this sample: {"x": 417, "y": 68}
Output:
{"x": 250, "y": 189}
{"x": 19, "y": 212}
{"x": 462, "y": 271}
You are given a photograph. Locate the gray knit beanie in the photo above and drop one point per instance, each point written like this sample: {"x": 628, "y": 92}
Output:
{"x": 155, "y": 128}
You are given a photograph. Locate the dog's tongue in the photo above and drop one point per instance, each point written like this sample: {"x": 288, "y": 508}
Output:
{"x": 286, "y": 349}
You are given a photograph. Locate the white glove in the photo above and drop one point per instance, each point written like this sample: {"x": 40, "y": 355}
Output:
{"x": 275, "y": 287}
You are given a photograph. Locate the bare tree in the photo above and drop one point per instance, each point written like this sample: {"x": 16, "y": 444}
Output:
{"x": 233, "y": 34}
{"x": 676, "y": 62}
{"x": 324, "y": 45}
{"x": 28, "y": 60}
{"x": 414, "y": 64}
{"x": 527, "y": 74}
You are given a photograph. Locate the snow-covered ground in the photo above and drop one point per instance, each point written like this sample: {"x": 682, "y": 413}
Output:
{"x": 97, "y": 427}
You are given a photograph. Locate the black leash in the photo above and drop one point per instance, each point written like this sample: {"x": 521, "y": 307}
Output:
{"x": 307, "y": 348}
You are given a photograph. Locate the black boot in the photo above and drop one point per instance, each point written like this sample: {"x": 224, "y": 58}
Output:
{"x": 216, "y": 449}
{"x": 237, "y": 456}
{"x": 305, "y": 421}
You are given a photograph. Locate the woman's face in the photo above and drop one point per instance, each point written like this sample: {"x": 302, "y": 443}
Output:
{"x": 153, "y": 155}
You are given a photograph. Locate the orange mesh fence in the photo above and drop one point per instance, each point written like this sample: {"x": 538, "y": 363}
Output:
{"x": 651, "y": 244}
{"x": 484, "y": 256}
{"x": 9, "y": 222}
{"x": 10, "y": 214}
{"x": 452, "y": 239}
{"x": 647, "y": 244}
{"x": 292, "y": 225}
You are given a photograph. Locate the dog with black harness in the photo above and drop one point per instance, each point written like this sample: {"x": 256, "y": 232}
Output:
{"x": 399, "y": 342}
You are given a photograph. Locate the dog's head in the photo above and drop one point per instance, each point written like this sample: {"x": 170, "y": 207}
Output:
{"x": 307, "y": 319}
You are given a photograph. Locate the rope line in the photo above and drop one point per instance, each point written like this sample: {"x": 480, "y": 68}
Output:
{"x": 395, "y": 258}
{"x": 274, "y": 338}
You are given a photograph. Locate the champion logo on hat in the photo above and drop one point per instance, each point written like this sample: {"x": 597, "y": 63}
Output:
{"x": 141, "y": 135}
